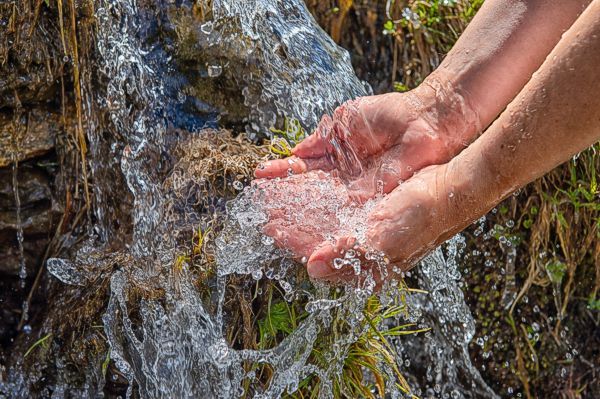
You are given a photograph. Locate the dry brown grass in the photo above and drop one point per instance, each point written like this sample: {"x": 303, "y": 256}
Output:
{"x": 408, "y": 51}
{"x": 211, "y": 161}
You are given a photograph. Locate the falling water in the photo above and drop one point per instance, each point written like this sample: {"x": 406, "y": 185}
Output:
{"x": 298, "y": 67}
{"x": 175, "y": 345}
{"x": 15, "y": 182}
{"x": 132, "y": 97}
{"x": 18, "y": 136}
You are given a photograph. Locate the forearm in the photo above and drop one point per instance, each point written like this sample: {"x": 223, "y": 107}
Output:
{"x": 554, "y": 117}
{"x": 495, "y": 57}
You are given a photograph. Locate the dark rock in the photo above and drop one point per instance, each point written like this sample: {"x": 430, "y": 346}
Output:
{"x": 40, "y": 212}
{"x": 31, "y": 62}
{"x": 35, "y": 132}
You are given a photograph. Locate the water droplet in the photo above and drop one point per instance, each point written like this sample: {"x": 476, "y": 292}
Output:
{"x": 207, "y": 28}
{"x": 238, "y": 185}
{"x": 257, "y": 274}
{"x": 338, "y": 263}
{"x": 214, "y": 71}
{"x": 267, "y": 240}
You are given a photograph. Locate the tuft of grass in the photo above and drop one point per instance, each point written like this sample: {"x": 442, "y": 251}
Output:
{"x": 259, "y": 314}
{"x": 42, "y": 342}
{"x": 284, "y": 140}
{"x": 407, "y": 38}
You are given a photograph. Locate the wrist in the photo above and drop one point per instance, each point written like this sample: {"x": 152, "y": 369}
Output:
{"x": 473, "y": 185}
{"x": 448, "y": 110}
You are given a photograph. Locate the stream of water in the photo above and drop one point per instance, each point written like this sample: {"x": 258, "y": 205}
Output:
{"x": 176, "y": 347}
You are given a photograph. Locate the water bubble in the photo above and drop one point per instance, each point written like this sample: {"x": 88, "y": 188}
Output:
{"x": 563, "y": 372}
{"x": 238, "y": 185}
{"x": 267, "y": 240}
{"x": 355, "y": 263}
{"x": 214, "y": 71}
{"x": 338, "y": 263}
{"x": 379, "y": 188}
{"x": 207, "y": 28}
{"x": 257, "y": 274}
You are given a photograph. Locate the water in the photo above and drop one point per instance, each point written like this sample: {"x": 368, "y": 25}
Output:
{"x": 18, "y": 136}
{"x": 170, "y": 339}
{"x": 295, "y": 68}
{"x": 443, "y": 351}
{"x": 136, "y": 121}
{"x": 15, "y": 184}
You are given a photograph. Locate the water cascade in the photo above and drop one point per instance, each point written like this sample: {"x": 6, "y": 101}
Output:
{"x": 170, "y": 339}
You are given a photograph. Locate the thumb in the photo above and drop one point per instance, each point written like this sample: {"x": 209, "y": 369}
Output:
{"x": 321, "y": 263}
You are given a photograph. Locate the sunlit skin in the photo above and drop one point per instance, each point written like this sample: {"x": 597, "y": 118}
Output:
{"x": 422, "y": 148}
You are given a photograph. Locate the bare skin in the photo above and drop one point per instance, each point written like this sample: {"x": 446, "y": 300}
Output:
{"x": 377, "y": 142}
{"x": 555, "y": 116}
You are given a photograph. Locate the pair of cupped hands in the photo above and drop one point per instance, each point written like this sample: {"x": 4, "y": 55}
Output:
{"x": 389, "y": 145}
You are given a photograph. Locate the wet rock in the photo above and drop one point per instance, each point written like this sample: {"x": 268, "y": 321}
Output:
{"x": 30, "y": 59}
{"x": 39, "y": 214}
{"x": 35, "y": 131}
{"x": 249, "y": 62}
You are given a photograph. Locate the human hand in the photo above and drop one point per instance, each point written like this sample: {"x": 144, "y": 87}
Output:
{"x": 405, "y": 225}
{"x": 310, "y": 210}
{"x": 313, "y": 215}
{"x": 304, "y": 210}
{"x": 374, "y": 143}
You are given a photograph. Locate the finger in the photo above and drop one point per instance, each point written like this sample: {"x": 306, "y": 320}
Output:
{"x": 320, "y": 264}
{"x": 280, "y": 168}
{"x": 379, "y": 181}
{"x": 383, "y": 177}
{"x": 315, "y": 145}
{"x": 301, "y": 243}
{"x": 291, "y": 166}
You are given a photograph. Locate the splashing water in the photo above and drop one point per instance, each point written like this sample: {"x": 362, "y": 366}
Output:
{"x": 173, "y": 342}
{"x": 444, "y": 350}
{"x": 132, "y": 98}
{"x": 297, "y": 66}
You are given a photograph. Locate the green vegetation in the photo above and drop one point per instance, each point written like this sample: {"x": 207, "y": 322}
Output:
{"x": 42, "y": 342}
{"x": 284, "y": 140}
{"x": 549, "y": 329}
{"x": 259, "y": 313}
{"x": 554, "y": 221}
